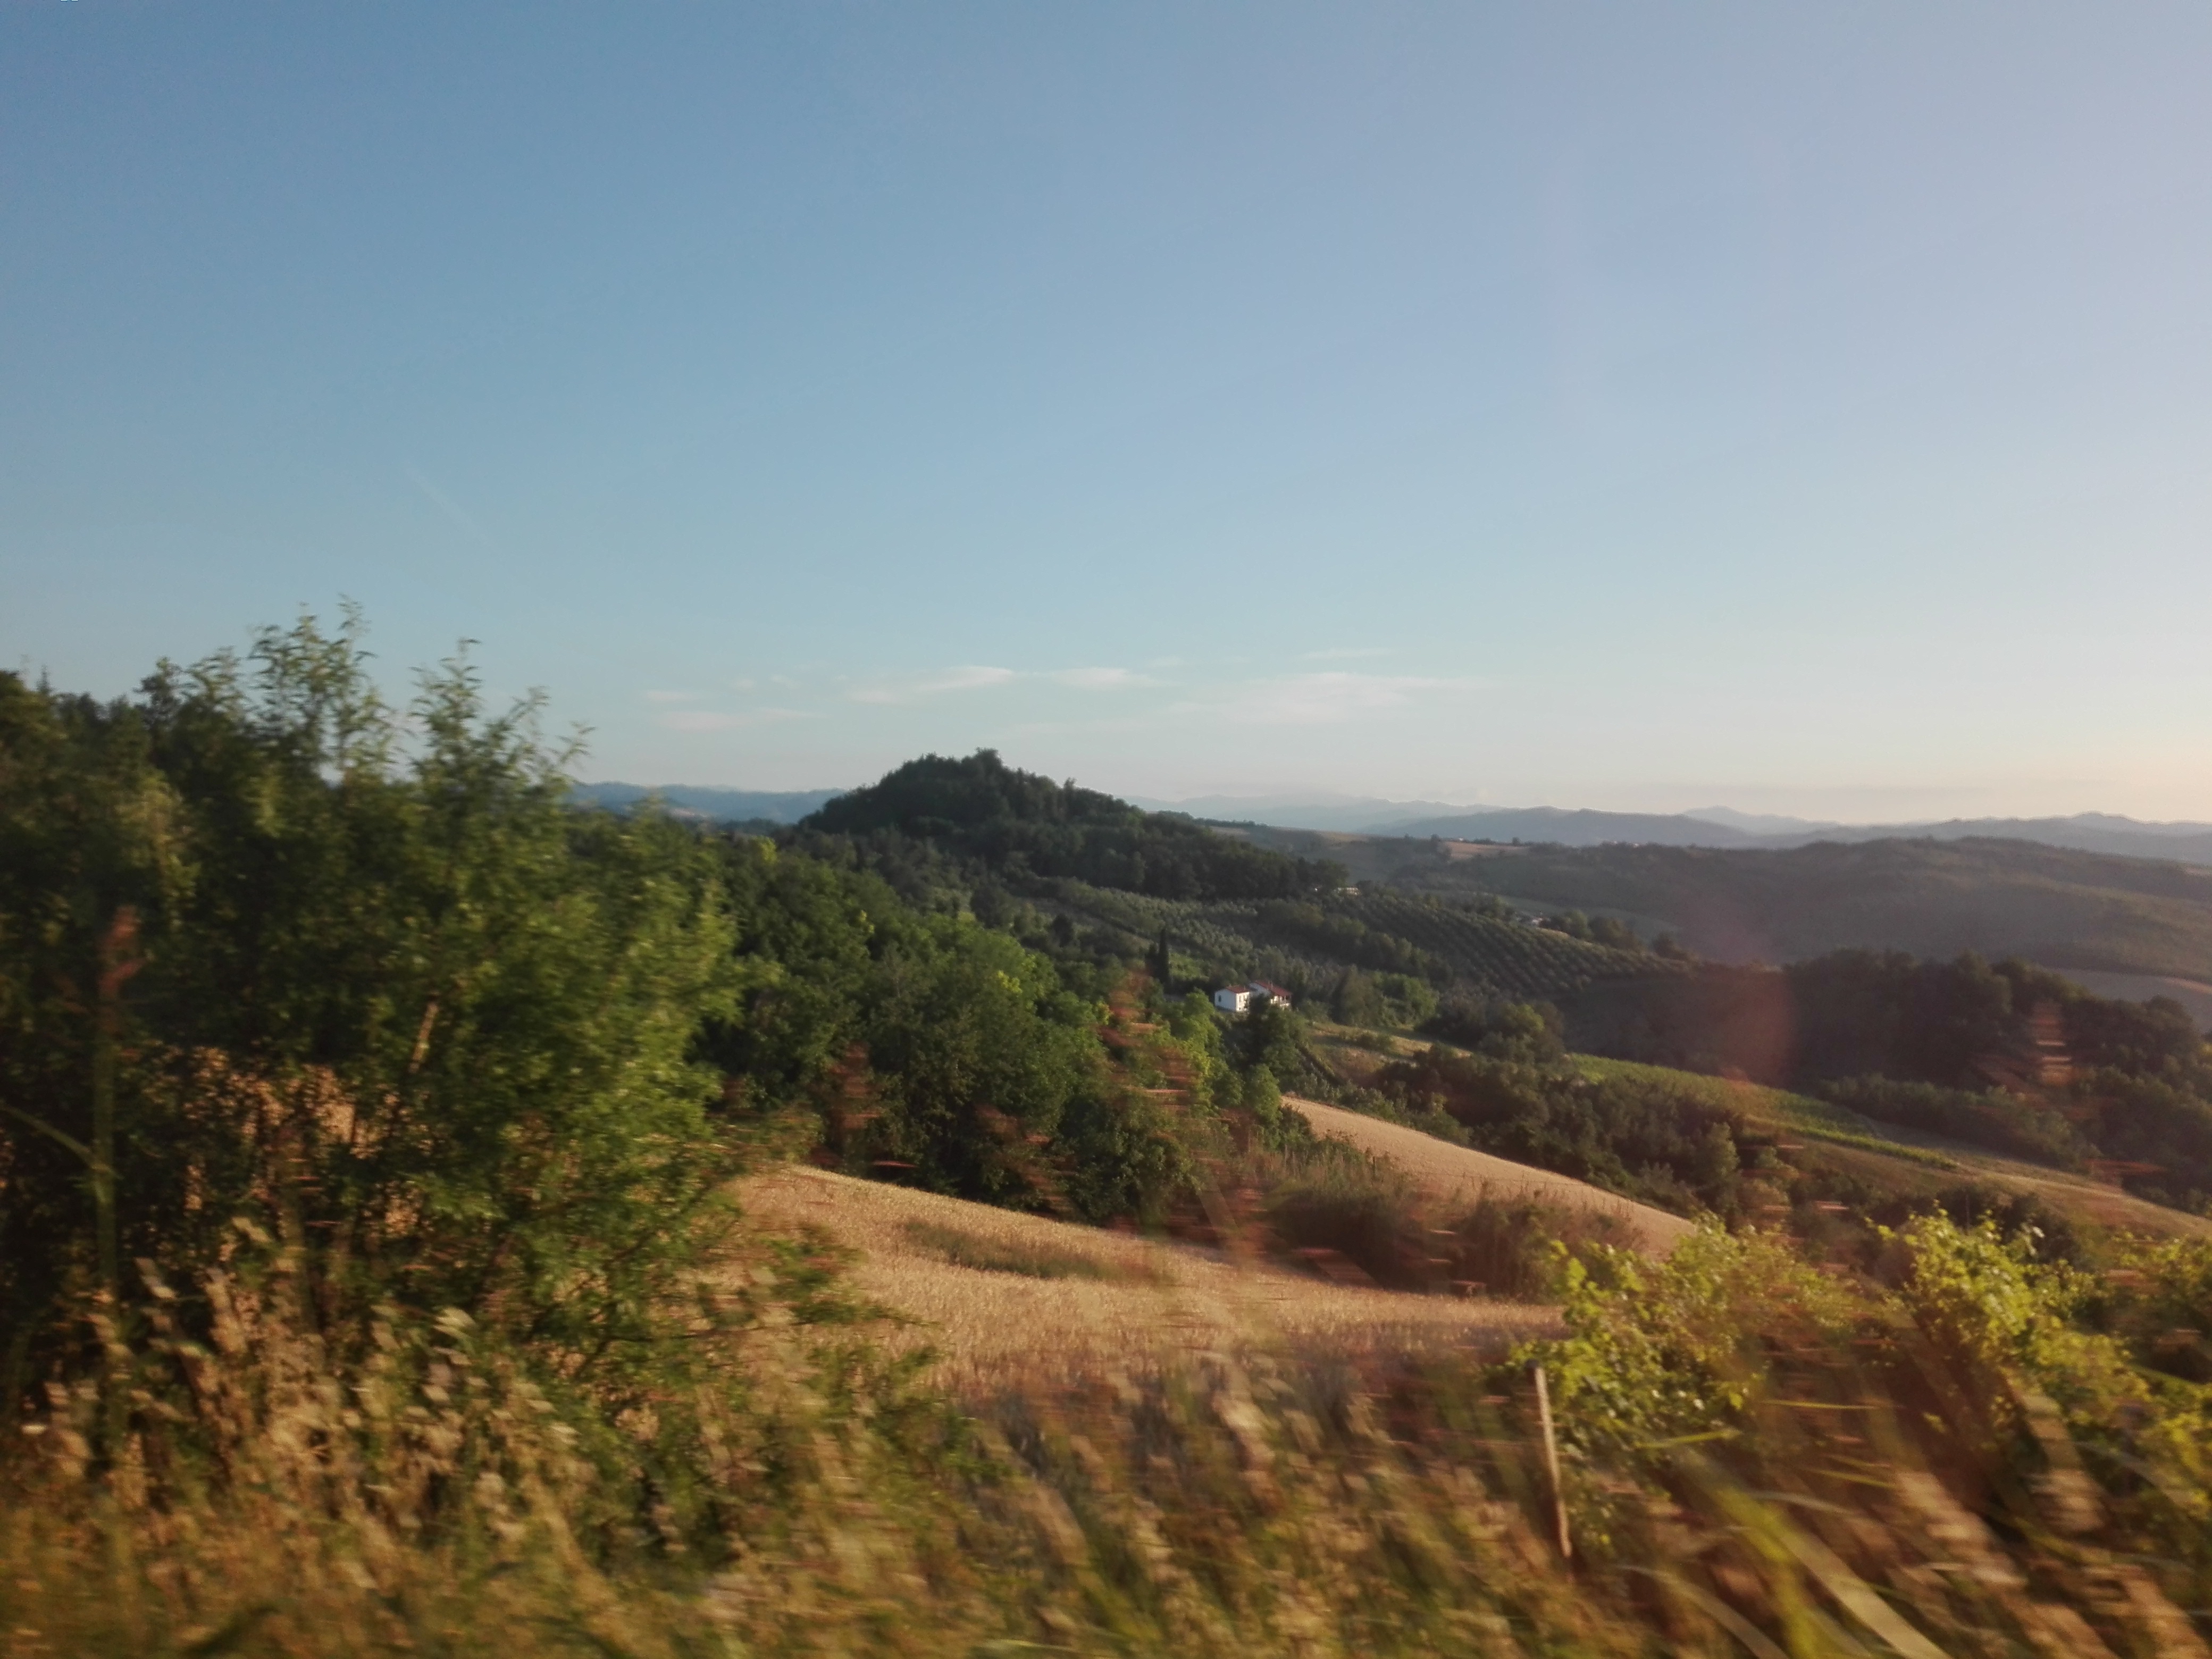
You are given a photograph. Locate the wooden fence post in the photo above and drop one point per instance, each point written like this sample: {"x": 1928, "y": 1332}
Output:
{"x": 1552, "y": 1466}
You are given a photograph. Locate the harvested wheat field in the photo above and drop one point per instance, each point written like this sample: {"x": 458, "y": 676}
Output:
{"x": 994, "y": 1290}
{"x": 1459, "y": 1172}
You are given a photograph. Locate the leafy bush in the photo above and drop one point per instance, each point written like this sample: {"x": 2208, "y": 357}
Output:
{"x": 1528, "y": 1034}
{"x": 2164, "y": 1125}
{"x": 2046, "y": 1233}
{"x": 1990, "y": 1118}
{"x": 1647, "y": 1140}
{"x": 1655, "y": 1353}
{"x": 1381, "y": 1001}
{"x": 2161, "y": 1305}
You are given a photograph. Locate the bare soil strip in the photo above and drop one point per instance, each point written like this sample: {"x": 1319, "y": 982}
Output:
{"x": 1149, "y": 1302}
{"x": 1452, "y": 1172}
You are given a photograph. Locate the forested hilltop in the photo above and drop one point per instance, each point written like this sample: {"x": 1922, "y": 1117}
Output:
{"x": 1017, "y": 824}
{"x": 1023, "y": 852}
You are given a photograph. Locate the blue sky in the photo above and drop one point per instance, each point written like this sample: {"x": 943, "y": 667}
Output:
{"x": 1806, "y": 408}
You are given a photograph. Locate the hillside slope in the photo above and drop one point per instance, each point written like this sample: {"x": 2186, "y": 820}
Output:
{"x": 1386, "y": 932}
{"x": 1902, "y": 1163}
{"x": 995, "y": 1293}
{"x": 1449, "y": 1172}
{"x": 2088, "y": 832}
{"x": 1934, "y": 898}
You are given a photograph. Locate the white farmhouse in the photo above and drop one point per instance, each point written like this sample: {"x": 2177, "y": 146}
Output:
{"x": 1236, "y": 999}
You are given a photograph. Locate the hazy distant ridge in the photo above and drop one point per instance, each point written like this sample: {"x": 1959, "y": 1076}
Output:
{"x": 1579, "y": 827}
{"x": 1710, "y": 826}
{"x": 2086, "y": 832}
{"x": 1362, "y": 813}
{"x": 722, "y": 805}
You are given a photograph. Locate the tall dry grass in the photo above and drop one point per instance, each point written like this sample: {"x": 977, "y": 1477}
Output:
{"x": 1753, "y": 1463}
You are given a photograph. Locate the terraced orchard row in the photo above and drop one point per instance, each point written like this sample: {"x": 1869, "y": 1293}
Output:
{"x": 1506, "y": 958}
{"x": 1222, "y": 937}
{"x": 1449, "y": 944}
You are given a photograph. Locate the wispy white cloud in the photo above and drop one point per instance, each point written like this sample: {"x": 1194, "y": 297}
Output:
{"x": 1100, "y": 679}
{"x": 672, "y": 696}
{"x": 1348, "y": 653}
{"x": 974, "y": 678}
{"x": 731, "y": 720}
{"x": 913, "y": 687}
{"x": 1331, "y": 697}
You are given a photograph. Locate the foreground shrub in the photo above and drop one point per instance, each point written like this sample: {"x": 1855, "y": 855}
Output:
{"x": 1650, "y": 1140}
{"x": 1335, "y": 1205}
{"x": 256, "y": 954}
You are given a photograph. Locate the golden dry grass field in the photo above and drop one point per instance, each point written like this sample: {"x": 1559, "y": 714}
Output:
{"x": 996, "y": 1292}
{"x": 1461, "y": 1174}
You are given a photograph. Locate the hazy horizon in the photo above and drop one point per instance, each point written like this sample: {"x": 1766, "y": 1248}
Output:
{"x": 1719, "y": 812}
{"x": 1586, "y": 405}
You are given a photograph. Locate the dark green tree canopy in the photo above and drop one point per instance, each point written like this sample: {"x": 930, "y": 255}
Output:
{"x": 1020, "y": 824}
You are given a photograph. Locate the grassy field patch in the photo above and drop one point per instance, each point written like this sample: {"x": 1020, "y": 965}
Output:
{"x": 1797, "y": 1114}
{"x": 1026, "y": 1257}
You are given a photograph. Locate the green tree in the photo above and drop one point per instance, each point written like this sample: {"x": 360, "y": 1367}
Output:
{"x": 401, "y": 1000}
{"x": 979, "y": 1053}
{"x": 1271, "y": 1037}
{"x": 91, "y": 856}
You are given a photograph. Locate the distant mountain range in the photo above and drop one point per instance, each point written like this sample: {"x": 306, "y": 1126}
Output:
{"x": 2085, "y": 832}
{"x": 720, "y": 805}
{"x": 1759, "y": 823}
{"x": 1708, "y": 826}
{"x": 1363, "y": 814}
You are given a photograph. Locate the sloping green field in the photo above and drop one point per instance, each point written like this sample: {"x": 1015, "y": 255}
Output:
{"x": 1484, "y": 954}
{"x": 1798, "y": 1115}
{"x": 2066, "y": 908}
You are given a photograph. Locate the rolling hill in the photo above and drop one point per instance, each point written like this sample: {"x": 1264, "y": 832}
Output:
{"x": 715, "y": 805}
{"x": 2063, "y": 907}
{"x": 1899, "y": 1163}
{"x": 996, "y": 1294}
{"x": 2086, "y": 832}
{"x": 1478, "y": 952}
